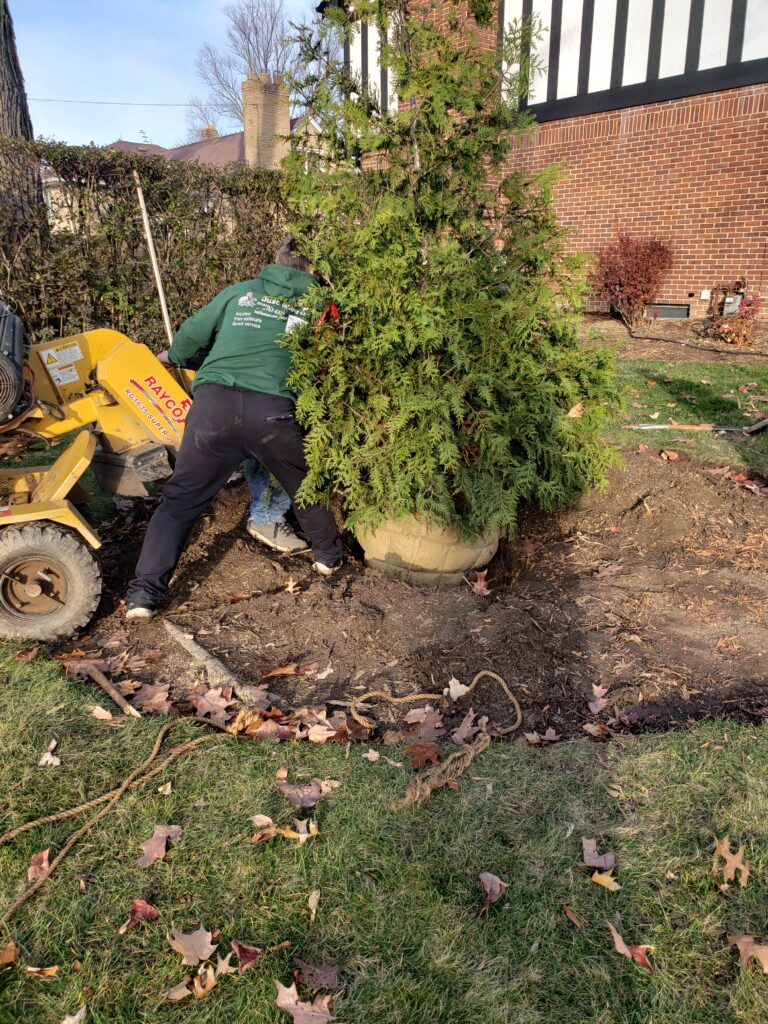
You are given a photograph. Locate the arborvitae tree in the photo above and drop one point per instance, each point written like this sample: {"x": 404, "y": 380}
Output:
{"x": 453, "y": 384}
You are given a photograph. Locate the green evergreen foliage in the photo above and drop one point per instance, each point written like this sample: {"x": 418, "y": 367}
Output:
{"x": 445, "y": 387}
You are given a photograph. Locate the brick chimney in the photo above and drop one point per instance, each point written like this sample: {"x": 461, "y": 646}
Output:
{"x": 209, "y": 132}
{"x": 266, "y": 117}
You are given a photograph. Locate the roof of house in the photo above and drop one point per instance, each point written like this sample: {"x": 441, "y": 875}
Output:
{"x": 224, "y": 149}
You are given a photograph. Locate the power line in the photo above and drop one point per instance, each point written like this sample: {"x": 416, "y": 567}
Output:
{"x": 106, "y": 103}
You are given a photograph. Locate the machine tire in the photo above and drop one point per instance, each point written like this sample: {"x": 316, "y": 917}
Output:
{"x": 65, "y": 568}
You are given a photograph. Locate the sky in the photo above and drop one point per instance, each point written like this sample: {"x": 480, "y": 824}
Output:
{"x": 131, "y": 51}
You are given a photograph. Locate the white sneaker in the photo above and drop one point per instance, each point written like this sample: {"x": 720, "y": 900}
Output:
{"x": 327, "y": 570}
{"x": 278, "y": 536}
{"x": 139, "y": 613}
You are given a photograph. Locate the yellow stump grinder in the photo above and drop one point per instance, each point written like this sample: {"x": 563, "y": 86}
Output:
{"x": 122, "y": 415}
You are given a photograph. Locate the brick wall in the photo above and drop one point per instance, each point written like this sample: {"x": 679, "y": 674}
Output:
{"x": 692, "y": 171}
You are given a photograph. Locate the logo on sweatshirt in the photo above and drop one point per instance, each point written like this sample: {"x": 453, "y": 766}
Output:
{"x": 246, "y": 300}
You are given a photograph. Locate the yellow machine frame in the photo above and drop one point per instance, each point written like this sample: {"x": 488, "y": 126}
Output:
{"x": 120, "y": 398}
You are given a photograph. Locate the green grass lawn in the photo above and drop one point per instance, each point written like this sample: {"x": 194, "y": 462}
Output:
{"x": 399, "y": 889}
{"x": 659, "y": 391}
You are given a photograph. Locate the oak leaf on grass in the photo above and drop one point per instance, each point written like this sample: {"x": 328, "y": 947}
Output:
{"x": 733, "y": 861}
{"x": 424, "y": 753}
{"x": 593, "y": 859}
{"x": 193, "y": 946}
{"x": 494, "y": 889}
{"x": 38, "y": 865}
{"x": 637, "y": 953}
{"x": 316, "y": 1012}
{"x": 606, "y": 879}
{"x": 155, "y": 847}
{"x": 318, "y": 976}
{"x": 750, "y": 950}
{"x": 140, "y": 911}
{"x": 246, "y": 955}
{"x": 307, "y": 794}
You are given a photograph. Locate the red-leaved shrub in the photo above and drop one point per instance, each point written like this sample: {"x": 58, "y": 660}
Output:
{"x": 629, "y": 273}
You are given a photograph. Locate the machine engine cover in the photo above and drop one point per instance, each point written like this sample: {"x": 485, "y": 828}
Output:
{"x": 11, "y": 362}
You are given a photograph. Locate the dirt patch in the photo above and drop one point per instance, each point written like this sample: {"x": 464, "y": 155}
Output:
{"x": 655, "y": 589}
{"x": 681, "y": 340}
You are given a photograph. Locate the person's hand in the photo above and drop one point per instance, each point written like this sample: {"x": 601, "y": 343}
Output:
{"x": 163, "y": 358}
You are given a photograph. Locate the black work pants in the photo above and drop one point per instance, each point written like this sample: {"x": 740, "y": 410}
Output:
{"x": 224, "y": 426}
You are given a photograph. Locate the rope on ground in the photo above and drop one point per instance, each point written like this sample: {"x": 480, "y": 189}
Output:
{"x": 135, "y": 778}
{"x": 420, "y": 788}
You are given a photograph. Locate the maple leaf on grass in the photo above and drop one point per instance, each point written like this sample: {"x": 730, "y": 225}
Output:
{"x": 593, "y": 859}
{"x": 424, "y": 753}
{"x": 193, "y": 946}
{"x": 316, "y": 1012}
{"x": 606, "y": 879}
{"x": 637, "y": 953}
{"x": 246, "y": 955}
{"x": 494, "y": 889}
{"x": 223, "y": 966}
{"x": 733, "y": 861}
{"x": 750, "y": 950}
{"x": 155, "y": 847}
{"x": 140, "y": 911}
{"x": 478, "y": 585}
{"x": 307, "y": 794}
{"x": 544, "y": 739}
{"x": 38, "y": 865}
{"x": 318, "y": 976}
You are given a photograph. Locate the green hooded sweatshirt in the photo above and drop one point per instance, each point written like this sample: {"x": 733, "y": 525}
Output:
{"x": 241, "y": 328}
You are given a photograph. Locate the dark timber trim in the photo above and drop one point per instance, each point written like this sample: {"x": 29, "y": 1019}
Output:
{"x": 555, "y": 30}
{"x": 736, "y": 34}
{"x": 585, "y": 46}
{"x": 619, "y": 43}
{"x": 751, "y": 72}
{"x": 654, "y": 43}
{"x": 364, "y": 56}
{"x": 693, "y": 46}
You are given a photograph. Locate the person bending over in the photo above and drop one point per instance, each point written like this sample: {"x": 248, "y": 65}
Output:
{"x": 242, "y": 409}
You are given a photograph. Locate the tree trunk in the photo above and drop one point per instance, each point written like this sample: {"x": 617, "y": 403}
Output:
{"x": 15, "y": 121}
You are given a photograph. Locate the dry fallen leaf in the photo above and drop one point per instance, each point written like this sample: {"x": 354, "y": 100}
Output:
{"x": 749, "y": 950}
{"x": 328, "y": 671}
{"x": 575, "y": 411}
{"x": 316, "y": 1012}
{"x": 593, "y": 859}
{"x": 733, "y": 861}
{"x": 669, "y": 456}
{"x": 193, "y": 946}
{"x": 572, "y": 916}
{"x": 307, "y": 794}
{"x": 204, "y": 981}
{"x": 637, "y": 953}
{"x": 42, "y": 972}
{"x": 155, "y": 847}
{"x": 606, "y": 879}
{"x": 240, "y": 595}
{"x": 178, "y": 992}
{"x": 494, "y": 889}
{"x": 154, "y": 698}
{"x": 318, "y": 976}
{"x": 542, "y": 740}
{"x": 9, "y": 953}
{"x": 597, "y": 730}
{"x": 49, "y": 759}
{"x": 313, "y": 902}
{"x": 266, "y": 828}
{"x": 608, "y": 569}
{"x": 165, "y": 789}
{"x": 424, "y": 724}
{"x": 282, "y": 772}
{"x": 101, "y": 713}
{"x": 223, "y": 966}
{"x": 371, "y": 755}
{"x": 598, "y": 703}
{"x": 140, "y": 911}
{"x": 246, "y": 955}
{"x": 424, "y": 753}
{"x": 291, "y": 669}
{"x": 306, "y": 828}
{"x": 455, "y": 690}
{"x": 478, "y": 585}
{"x": 27, "y": 653}
{"x": 38, "y": 866}
{"x": 214, "y": 704}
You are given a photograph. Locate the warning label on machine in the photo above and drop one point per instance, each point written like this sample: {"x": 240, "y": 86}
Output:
{"x": 63, "y": 374}
{"x": 62, "y": 355}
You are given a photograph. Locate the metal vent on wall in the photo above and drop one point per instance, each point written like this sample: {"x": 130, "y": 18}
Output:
{"x": 669, "y": 311}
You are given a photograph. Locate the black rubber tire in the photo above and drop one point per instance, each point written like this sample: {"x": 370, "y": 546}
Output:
{"x": 81, "y": 571}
